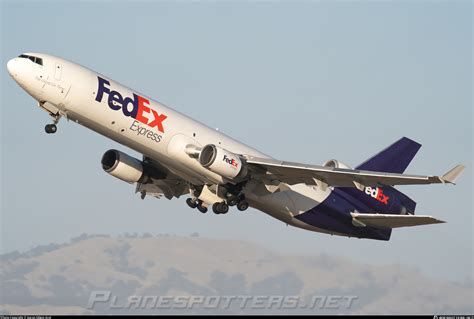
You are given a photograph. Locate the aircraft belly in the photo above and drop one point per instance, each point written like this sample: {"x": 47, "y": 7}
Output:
{"x": 281, "y": 205}
{"x": 315, "y": 209}
{"x": 288, "y": 202}
{"x": 333, "y": 214}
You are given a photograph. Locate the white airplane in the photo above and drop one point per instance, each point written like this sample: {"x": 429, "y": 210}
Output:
{"x": 183, "y": 156}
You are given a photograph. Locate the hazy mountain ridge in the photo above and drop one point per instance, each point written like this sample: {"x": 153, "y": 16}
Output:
{"x": 58, "y": 278}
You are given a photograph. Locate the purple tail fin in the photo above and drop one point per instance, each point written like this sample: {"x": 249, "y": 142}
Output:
{"x": 393, "y": 159}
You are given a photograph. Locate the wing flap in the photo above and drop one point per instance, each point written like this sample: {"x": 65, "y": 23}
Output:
{"x": 384, "y": 221}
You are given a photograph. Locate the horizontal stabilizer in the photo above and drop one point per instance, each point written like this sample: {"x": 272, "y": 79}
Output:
{"x": 384, "y": 221}
{"x": 452, "y": 175}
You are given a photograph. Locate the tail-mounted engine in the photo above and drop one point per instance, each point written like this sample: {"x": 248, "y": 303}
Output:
{"x": 335, "y": 164}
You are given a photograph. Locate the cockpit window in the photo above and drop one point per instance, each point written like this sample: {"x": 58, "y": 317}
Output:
{"x": 32, "y": 58}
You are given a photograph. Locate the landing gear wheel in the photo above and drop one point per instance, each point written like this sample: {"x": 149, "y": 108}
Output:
{"x": 224, "y": 208}
{"x": 220, "y": 208}
{"x": 242, "y": 205}
{"x": 191, "y": 203}
{"x": 50, "y": 128}
{"x": 234, "y": 200}
{"x": 201, "y": 208}
{"x": 215, "y": 208}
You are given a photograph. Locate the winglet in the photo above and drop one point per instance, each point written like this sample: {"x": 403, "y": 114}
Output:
{"x": 452, "y": 175}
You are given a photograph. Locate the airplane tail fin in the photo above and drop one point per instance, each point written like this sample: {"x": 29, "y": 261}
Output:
{"x": 397, "y": 209}
{"x": 393, "y": 159}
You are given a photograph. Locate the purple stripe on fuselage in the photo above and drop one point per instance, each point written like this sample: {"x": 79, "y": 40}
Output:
{"x": 397, "y": 203}
{"x": 333, "y": 214}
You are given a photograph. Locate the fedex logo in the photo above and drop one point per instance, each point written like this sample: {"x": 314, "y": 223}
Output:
{"x": 378, "y": 194}
{"x": 136, "y": 107}
{"x": 230, "y": 161}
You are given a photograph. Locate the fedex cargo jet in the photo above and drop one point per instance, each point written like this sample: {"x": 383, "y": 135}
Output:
{"x": 182, "y": 156}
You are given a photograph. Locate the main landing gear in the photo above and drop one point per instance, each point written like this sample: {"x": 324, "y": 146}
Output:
{"x": 196, "y": 203}
{"x": 238, "y": 201}
{"x": 242, "y": 205}
{"x": 219, "y": 207}
{"x": 222, "y": 198}
{"x": 52, "y": 128}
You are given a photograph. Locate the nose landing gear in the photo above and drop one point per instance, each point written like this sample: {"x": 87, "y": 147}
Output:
{"x": 52, "y": 128}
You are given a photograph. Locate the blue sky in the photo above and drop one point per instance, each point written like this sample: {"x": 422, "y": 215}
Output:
{"x": 306, "y": 81}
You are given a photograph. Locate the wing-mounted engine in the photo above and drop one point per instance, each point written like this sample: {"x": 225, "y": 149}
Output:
{"x": 336, "y": 164}
{"x": 220, "y": 161}
{"x": 128, "y": 168}
{"x": 151, "y": 177}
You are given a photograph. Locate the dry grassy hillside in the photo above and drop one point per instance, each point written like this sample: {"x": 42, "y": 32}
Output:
{"x": 60, "y": 278}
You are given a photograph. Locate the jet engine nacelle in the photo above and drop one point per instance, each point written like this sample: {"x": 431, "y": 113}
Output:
{"x": 222, "y": 162}
{"x": 130, "y": 169}
{"x": 336, "y": 164}
{"x": 122, "y": 166}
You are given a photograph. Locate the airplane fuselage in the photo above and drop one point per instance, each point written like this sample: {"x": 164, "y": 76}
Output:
{"x": 163, "y": 134}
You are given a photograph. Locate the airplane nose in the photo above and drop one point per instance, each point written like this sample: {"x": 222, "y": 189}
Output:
{"x": 11, "y": 67}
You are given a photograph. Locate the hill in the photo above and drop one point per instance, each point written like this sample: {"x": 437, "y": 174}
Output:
{"x": 119, "y": 274}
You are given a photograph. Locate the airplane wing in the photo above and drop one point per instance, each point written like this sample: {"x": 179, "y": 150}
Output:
{"x": 294, "y": 173}
{"x": 384, "y": 221}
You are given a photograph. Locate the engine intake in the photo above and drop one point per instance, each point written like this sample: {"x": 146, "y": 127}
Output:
{"x": 336, "y": 164}
{"x": 130, "y": 169}
{"x": 122, "y": 166}
{"x": 222, "y": 162}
